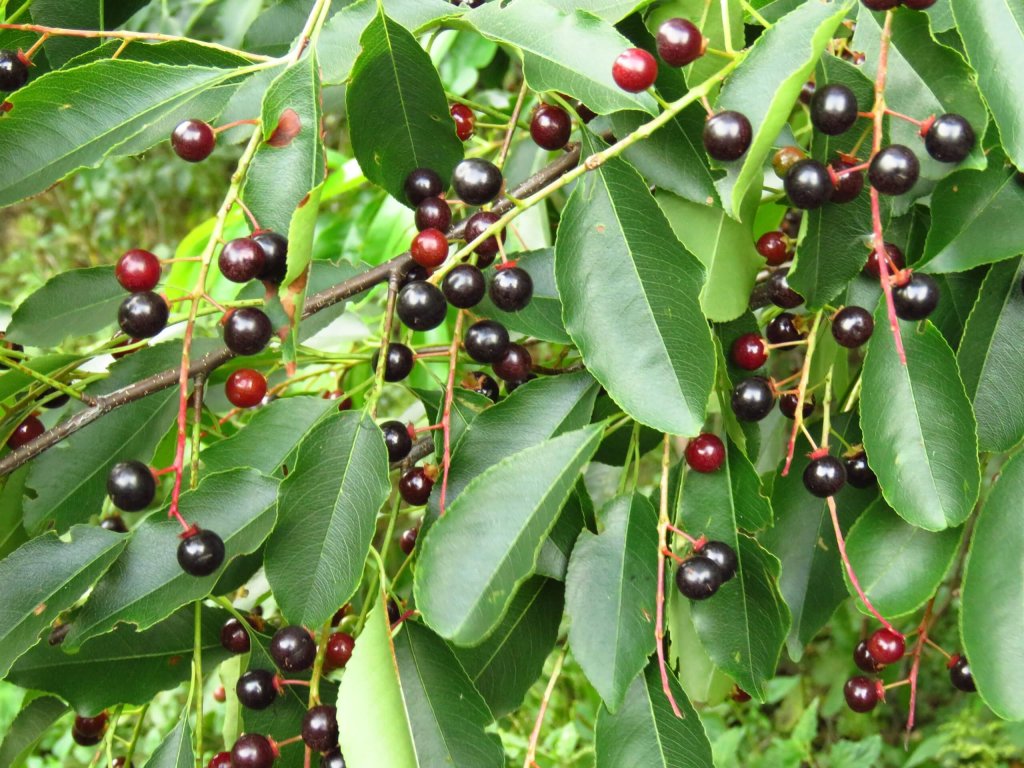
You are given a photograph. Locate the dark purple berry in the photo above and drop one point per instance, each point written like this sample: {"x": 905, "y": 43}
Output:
{"x": 13, "y": 71}
{"x": 515, "y": 363}
{"x": 275, "y": 253}
{"x": 894, "y": 170}
{"x": 333, "y": 759}
{"x": 783, "y": 329}
{"x": 679, "y": 42}
{"x": 241, "y": 260}
{"x": 722, "y": 555}
{"x": 788, "y": 403}
{"x": 234, "y": 636}
{"x": 550, "y": 127}
{"x": 201, "y": 553}
{"x": 421, "y": 306}
{"x": 858, "y": 473}
{"x": 824, "y": 476}
{"x": 511, "y": 289}
{"x": 256, "y": 688}
{"x": 253, "y": 751}
{"x": 698, "y": 577}
{"x": 414, "y": 486}
{"x": 852, "y": 327}
{"x": 847, "y": 186}
{"x": 398, "y": 363}
{"x": 193, "y": 140}
{"x": 143, "y": 315}
{"x": 727, "y": 136}
{"x": 808, "y": 184}
{"x": 396, "y": 439}
{"x": 476, "y": 225}
{"x": 421, "y": 184}
{"x": 917, "y": 298}
{"x": 779, "y": 292}
{"x": 833, "y": 109}
{"x": 464, "y": 286}
{"x": 293, "y": 648}
{"x": 960, "y": 674}
{"x": 949, "y": 139}
{"x": 886, "y": 646}
{"x": 486, "y": 341}
{"x": 320, "y": 728}
{"x": 247, "y": 330}
{"x": 476, "y": 181}
{"x": 752, "y": 399}
{"x": 131, "y": 486}
{"x": 861, "y": 694}
{"x": 114, "y": 523}
{"x": 864, "y": 660}
{"x": 433, "y": 213}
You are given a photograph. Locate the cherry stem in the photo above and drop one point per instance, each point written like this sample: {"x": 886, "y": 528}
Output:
{"x": 446, "y": 416}
{"x": 245, "y": 209}
{"x": 385, "y": 336}
{"x": 673, "y": 555}
{"x": 901, "y": 116}
{"x": 235, "y": 124}
{"x": 293, "y": 682}
{"x": 37, "y": 45}
{"x": 801, "y": 395}
{"x": 210, "y": 300}
{"x": 707, "y": 105}
{"x": 659, "y": 626}
{"x": 408, "y": 614}
{"x": 531, "y": 750}
{"x": 897, "y": 684}
{"x": 685, "y": 535}
{"x": 786, "y": 345}
{"x": 286, "y": 742}
{"x": 915, "y": 666}
{"x": 938, "y": 647}
{"x": 853, "y": 169}
{"x": 510, "y": 132}
{"x": 429, "y": 428}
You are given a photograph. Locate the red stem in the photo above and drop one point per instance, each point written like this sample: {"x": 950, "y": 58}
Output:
{"x": 446, "y": 418}
{"x": 248, "y": 213}
{"x": 915, "y": 667}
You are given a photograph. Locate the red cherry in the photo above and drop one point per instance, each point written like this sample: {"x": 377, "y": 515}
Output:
{"x": 465, "y": 120}
{"x": 772, "y": 245}
{"x": 28, "y": 430}
{"x": 220, "y": 760}
{"x": 246, "y": 388}
{"x": 138, "y": 270}
{"x": 635, "y": 70}
{"x": 429, "y": 248}
{"x": 748, "y": 352}
{"x": 339, "y": 650}
{"x": 886, "y": 646}
{"x": 705, "y": 453}
{"x": 407, "y": 542}
{"x": 895, "y": 256}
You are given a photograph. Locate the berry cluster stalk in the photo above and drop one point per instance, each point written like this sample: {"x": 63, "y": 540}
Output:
{"x": 663, "y": 525}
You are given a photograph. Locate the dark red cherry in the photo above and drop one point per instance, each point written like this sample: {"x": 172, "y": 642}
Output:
{"x": 949, "y": 138}
{"x": 550, "y": 127}
{"x": 245, "y": 388}
{"x": 864, "y": 660}
{"x": 339, "y": 650}
{"x": 143, "y": 315}
{"x": 464, "y": 286}
{"x": 429, "y": 248}
{"x": 234, "y": 636}
{"x": 421, "y": 306}
{"x": 247, "y": 330}
{"x": 415, "y": 485}
{"x": 894, "y": 170}
{"x": 783, "y": 329}
{"x": 396, "y": 439}
{"x": 464, "y": 119}
{"x": 293, "y": 648}
{"x": 201, "y": 553}
{"x": 433, "y": 213}
{"x": 748, "y": 352}
{"x": 253, "y": 751}
{"x": 241, "y": 260}
{"x": 407, "y": 541}
{"x": 476, "y": 181}
{"x": 320, "y": 728}
{"x": 808, "y": 184}
{"x": 220, "y": 760}
{"x": 421, "y": 184}
{"x": 727, "y": 136}
{"x": 848, "y": 184}
{"x": 256, "y": 688}
{"x": 722, "y": 555}
{"x": 91, "y": 726}
{"x": 880, "y": 5}
{"x": 114, "y": 523}
{"x": 833, "y": 109}
{"x": 960, "y": 674}
{"x": 705, "y": 452}
{"x": 486, "y": 341}
{"x": 772, "y": 245}
{"x": 193, "y": 140}
{"x": 333, "y": 759}
{"x": 852, "y": 327}
{"x": 779, "y": 292}
{"x": 788, "y": 403}
{"x": 275, "y": 256}
{"x": 825, "y": 476}
{"x": 635, "y": 70}
{"x": 698, "y": 577}
{"x": 28, "y": 430}
{"x": 886, "y": 646}
{"x": 131, "y": 485}
{"x": 476, "y": 225}
{"x": 515, "y": 363}
{"x": 679, "y": 42}
{"x": 895, "y": 257}
{"x": 511, "y": 288}
{"x": 138, "y": 270}
{"x": 861, "y": 694}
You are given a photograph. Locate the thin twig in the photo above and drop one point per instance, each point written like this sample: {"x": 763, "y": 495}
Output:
{"x": 446, "y": 417}
{"x": 659, "y": 627}
{"x": 531, "y": 750}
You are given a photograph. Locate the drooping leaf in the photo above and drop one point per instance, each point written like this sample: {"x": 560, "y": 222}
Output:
{"x": 919, "y": 429}
{"x": 77, "y": 302}
{"x": 327, "y": 513}
{"x": 471, "y": 564}
{"x": 542, "y": 317}
{"x": 175, "y": 751}
{"x": 609, "y": 594}
{"x": 28, "y": 728}
{"x": 615, "y": 248}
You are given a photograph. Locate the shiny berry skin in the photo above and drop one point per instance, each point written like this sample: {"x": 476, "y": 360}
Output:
{"x": 245, "y": 388}
{"x": 895, "y": 258}
{"x": 698, "y": 577}
{"x": 476, "y": 181}
{"x": 339, "y": 650}
{"x": 13, "y": 71}
{"x": 779, "y": 292}
{"x": 241, "y": 260}
{"x": 143, "y": 315}
{"x": 256, "y": 688}
{"x": 91, "y": 727}
{"x": 783, "y": 329}
{"x": 722, "y": 555}
{"x": 807, "y": 92}
{"x": 421, "y": 306}
{"x": 635, "y": 70}
{"x": 320, "y": 728}
{"x": 949, "y": 139}
{"x": 705, "y": 453}
{"x": 679, "y": 42}
{"x": 131, "y": 486}
{"x": 193, "y": 140}
{"x": 407, "y": 541}
{"x": 396, "y": 439}
{"x": 825, "y": 476}
{"x": 421, "y": 184}
{"x": 429, "y": 248}
{"x": 464, "y": 119}
{"x": 727, "y": 136}
{"x": 861, "y": 694}
{"x": 414, "y": 273}
{"x": 960, "y": 674}
{"x": 275, "y": 256}
{"x": 752, "y": 399}
{"x": 748, "y": 352}
{"x": 919, "y": 5}
{"x": 788, "y": 403}
{"x": 785, "y": 159}
{"x": 481, "y": 383}
{"x": 550, "y": 127}
{"x": 234, "y": 636}
{"x": 808, "y": 184}
{"x": 247, "y": 330}
{"x": 138, "y": 270}
{"x": 476, "y": 225}
{"x": 486, "y": 341}
{"x": 864, "y": 660}
{"x": 511, "y": 289}
{"x": 332, "y": 759}
{"x": 28, "y": 430}
{"x": 464, "y": 286}
{"x": 114, "y": 523}
{"x": 917, "y": 298}
{"x": 414, "y": 486}
{"x": 398, "y": 363}
{"x": 886, "y": 646}
{"x": 852, "y": 327}
{"x": 201, "y": 553}
{"x": 293, "y": 648}
{"x": 514, "y": 364}
{"x": 858, "y": 473}
{"x": 833, "y": 109}
{"x": 433, "y": 213}
{"x": 772, "y": 245}
{"x": 253, "y": 751}
{"x": 894, "y": 170}
{"x": 880, "y": 5}
{"x": 220, "y": 760}
{"x": 847, "y": 186}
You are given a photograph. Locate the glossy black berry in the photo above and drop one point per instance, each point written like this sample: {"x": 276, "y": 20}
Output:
{"x": 808, "y": 184}
{"x": 476, "y": 181}
{"x": 679, "y": 42}
{"x": 864, "y": 660}
{"x": 949, "y": 139}
{"x": 193, "y": 140}
{"x": 722, "y": 555}
{"x": 852, "y": 327}
{"x": 234, "y": 636}
{"x": 13, "y": 71}
{"x": 398, "y": 363}
{"x": 397, "y": 440}
{"x": 480, "y": 382}
{"x": 464, "y": 287}
{"x": 131, "y": 486}
{"x": 917, "y": 298}
{"x": 253, "y": 751}
{"x": 960, "y": 674}
{"x": 433, "y": 213}
{"x": 414, "y": 486}
{"x": 783, "y": 329}
{"x": 550, "y": 127}
{"x": 114, "y": 523}
{"x": 256, "y": 688}
{"x": 833, "y": 109}
{"x": 333, "y": 759}
{"x": 848, "y": 184}
{"x": 275, "y": 256}
{"x": 414, "y": 273}
{"x": 894, "y": 170}
{"x": 247, "y": 331}
{"x": 293, "y": 648}
{"x": 752, "y": 399}
{"x": 779, "y": 292}
{"x": 698, "y": 577}
{"x": 476, "y": 225}
{"x": 634, "y": 70}
{"x": 515, "y": 363}
{"x": 790, "y": 224}
{"x": 858, "y": 473}
{"x": 886, "y": 646}
{"x": 138, "y": 270}
{"x": 143, "y": 315}
{"x": 241, "y": 260}
{"x": 861, "y": 694}
{"x": 201, "y": 553}
{"x": 880, "y": 5}
{"x": 727, "y": 136}
{"x": 320, "y": 728}
{"x": 421, "y": 184}
{"x": 421, "y": 306}
{"x": 486, "y": 341}
{"x": 824, "y": 476}
{"x": 789, "y": 402}
{"x": 511, "y": 289}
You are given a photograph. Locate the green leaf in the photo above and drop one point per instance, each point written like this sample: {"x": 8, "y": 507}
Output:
{"x": 616, "y": 249}
{"x": 77, "y": 302}
{"x": 79, "y": 14}
{"x": 609, "y": 595}
{"x": 175, "y": 751}
{"x": 582, "y": 70}
{"x": 12, "y": 503}
{"x": 645, "y": 732}
{"x": 992, "y": 607}
{"x": 85, "y": 123}
{"x": 708, "y": 18}
{"x": 990, "y": 361}
{"x": 470, "y": 566}
{"x": 15, "y": 382}
{"x": 146, "y": 584}
{"x": 46, "y": 576}
{"x": 505, "y": 666}
{"x": 977, "y": 221}
{"x": 613, "y": 11}
{"x": 124, "y": 667}
{"x": 766, "y": 85}
{"x": 577, "y": 514}
{"x": 292, "y": 160}
{"x": 918, "y": 426}
{"x": 542, "y": 317}
{"x": 30, "y": 725}
{"x": 993, "y": 36}
{"x": 959, "y": 293}
{"x": 725, "y": 248}
{"x": 413, "y": 128}
{"x": 881, "y": 545}
{"x": 327, "y": 514}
